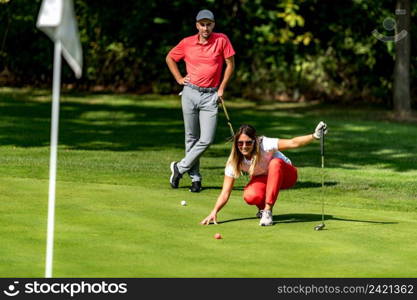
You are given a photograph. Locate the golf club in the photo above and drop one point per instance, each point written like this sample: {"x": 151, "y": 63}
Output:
{"x": 322, "y": 225}
{"x": 227, "y": 117}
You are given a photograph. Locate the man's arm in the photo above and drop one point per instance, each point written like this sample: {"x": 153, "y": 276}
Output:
{"x": 173, "y": 67}
{"x": 230, "y": 66}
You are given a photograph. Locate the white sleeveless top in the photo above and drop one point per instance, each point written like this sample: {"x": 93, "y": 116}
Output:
{"x": 269, "y": 150}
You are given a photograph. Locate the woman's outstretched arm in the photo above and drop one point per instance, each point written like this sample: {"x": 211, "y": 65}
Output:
{"x": 221, "y": 200}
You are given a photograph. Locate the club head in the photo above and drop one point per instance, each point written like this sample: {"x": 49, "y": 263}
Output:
{"x": 319, "y": 227}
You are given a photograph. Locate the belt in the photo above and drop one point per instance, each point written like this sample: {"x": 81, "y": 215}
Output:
{"x": 201, "y": 89}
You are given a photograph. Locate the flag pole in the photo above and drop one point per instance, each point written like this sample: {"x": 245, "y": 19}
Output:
{"x": 56, "y": 83}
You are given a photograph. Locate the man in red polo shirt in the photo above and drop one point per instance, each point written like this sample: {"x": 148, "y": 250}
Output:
{"x": 204, "y": 55}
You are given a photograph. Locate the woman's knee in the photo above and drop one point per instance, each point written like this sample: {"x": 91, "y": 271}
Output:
{"x": 276, "y": 162}
{"x": 253, "y": 198}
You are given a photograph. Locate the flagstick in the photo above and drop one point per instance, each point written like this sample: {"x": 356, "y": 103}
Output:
{"x": 53, "y": 159}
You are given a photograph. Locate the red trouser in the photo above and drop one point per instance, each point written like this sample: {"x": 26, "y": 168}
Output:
{"x": 265, "y": 188}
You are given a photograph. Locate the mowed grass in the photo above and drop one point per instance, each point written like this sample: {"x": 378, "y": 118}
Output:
{"x": 116, "y": 215}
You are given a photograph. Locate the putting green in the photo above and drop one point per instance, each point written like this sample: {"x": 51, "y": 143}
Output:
{"x": 105, "y": 230}
{"x": 116, "y": 215}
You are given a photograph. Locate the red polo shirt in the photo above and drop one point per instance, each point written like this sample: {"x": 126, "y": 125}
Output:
{"x": 204, "y": 62}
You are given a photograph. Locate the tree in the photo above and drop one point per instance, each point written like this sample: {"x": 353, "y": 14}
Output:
{"x": 402, "y": 99}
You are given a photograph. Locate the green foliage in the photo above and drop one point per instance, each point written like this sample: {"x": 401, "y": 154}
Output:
{"x": 288, "y": 48}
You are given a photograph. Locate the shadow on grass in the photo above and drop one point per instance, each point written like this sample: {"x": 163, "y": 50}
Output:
{"x": 134, "y": 123}
{"x": 298, "y": 185}
{"x": 310, "y": 184}
{"x": 297, "y": 218}
{"x": 236, "y": 188}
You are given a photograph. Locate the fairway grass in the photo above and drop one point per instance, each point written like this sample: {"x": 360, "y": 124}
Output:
{"x": 116, "y": 215}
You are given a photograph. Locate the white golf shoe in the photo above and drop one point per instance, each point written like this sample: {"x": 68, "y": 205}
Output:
{"x": 266, "y": 219}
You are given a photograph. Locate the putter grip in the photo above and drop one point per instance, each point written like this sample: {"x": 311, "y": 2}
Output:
{"x": 322, "y": 142}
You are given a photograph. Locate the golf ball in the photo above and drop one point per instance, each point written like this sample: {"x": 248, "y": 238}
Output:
{"x": 183, "y": 203}
{"x": 319, "y": 227}
{"x": 217, "y": 236}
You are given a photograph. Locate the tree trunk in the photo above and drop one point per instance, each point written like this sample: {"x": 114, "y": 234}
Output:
{"x": 402, "y": 99}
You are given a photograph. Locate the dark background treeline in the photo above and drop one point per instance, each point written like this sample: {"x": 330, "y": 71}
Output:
{"x": 288, "y": 49}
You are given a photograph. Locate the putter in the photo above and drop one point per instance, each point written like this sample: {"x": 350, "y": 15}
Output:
{"x": 322, "y": 225}
{"x": 227, "y": 117}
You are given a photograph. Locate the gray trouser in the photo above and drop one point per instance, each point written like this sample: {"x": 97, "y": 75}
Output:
{"x": 200, "y": 118}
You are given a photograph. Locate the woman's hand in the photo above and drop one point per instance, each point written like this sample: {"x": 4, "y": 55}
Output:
{"x": 221, "y": 200}
{"x": 317, "y": 132}
{"x": 211, "y": 217}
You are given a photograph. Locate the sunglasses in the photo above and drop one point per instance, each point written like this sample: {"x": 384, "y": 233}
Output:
{"x": 249, "y": 143}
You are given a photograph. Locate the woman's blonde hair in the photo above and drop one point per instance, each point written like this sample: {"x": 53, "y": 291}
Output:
{"x": 236, "y": 157}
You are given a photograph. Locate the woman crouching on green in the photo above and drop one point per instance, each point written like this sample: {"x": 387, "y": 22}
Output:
{"x": 269, "y": 169}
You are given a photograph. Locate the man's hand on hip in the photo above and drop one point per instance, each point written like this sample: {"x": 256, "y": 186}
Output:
{"x": 184, "y": 80}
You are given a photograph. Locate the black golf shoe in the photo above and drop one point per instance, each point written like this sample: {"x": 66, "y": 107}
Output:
{"x": 196, "y": 187}
{"x": 174, "y": 180}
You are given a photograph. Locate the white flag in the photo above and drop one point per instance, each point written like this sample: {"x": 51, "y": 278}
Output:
{"x": 57, "y": 19}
